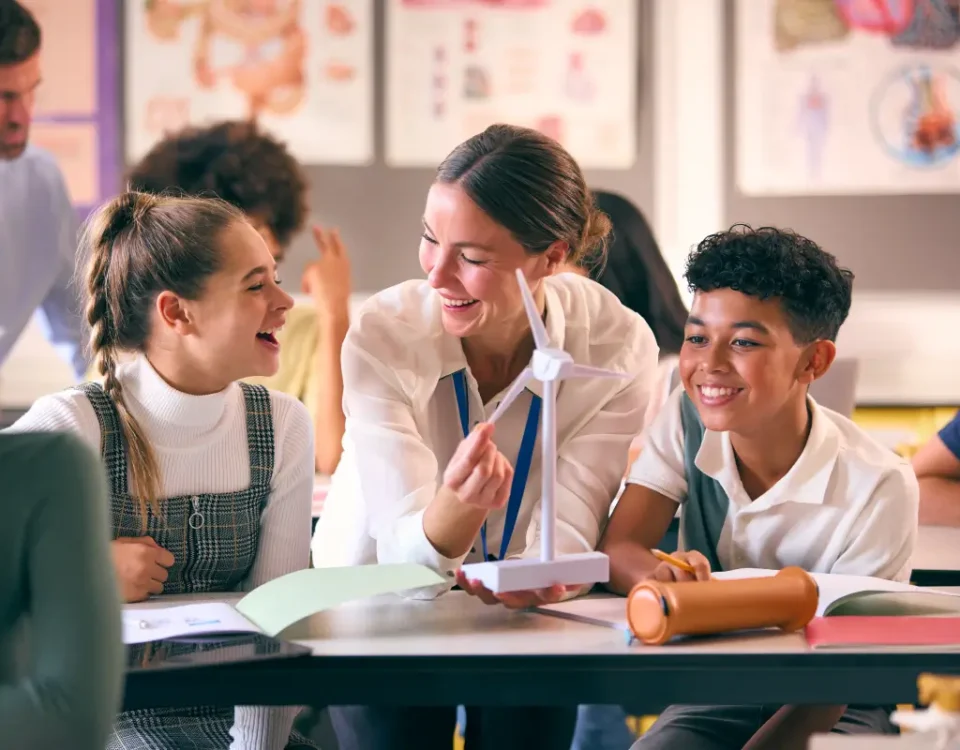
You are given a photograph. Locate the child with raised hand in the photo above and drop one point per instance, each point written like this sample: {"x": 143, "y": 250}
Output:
{"x": 764, "y": 476}
{"x": 210, "y": 479}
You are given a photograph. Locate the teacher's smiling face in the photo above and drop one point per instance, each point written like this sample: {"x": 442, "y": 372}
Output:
{"x": 471, "y": 261}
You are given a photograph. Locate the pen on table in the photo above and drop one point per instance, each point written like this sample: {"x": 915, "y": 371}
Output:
{"x": 674, "y": 561}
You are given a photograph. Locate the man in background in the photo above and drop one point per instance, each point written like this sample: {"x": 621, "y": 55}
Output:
{"x": 38, "y": 225}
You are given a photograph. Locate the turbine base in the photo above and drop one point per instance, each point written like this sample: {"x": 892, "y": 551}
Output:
{"x": 533, "y": 573}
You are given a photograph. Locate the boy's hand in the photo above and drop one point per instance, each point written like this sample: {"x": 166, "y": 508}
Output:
{"x": 141, "y": 567}
{"x": 669, "y": 573}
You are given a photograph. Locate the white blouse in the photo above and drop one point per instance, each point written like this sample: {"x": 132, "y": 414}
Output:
{"x": 403, "y": 425}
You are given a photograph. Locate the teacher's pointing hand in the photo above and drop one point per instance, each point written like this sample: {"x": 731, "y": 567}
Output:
{"x": 478, "y": 473}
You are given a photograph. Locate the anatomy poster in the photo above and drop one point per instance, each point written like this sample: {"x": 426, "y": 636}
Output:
{"x": 77, "y": 115}
{"x": 848, "y": 96}
{"x": 302, "y": 68}
{"x": 565, "y": 67}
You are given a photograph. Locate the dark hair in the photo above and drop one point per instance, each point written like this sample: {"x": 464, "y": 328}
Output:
{"x": 529, "y": 184}
{"x": 139, "y": 245}
{"x": 19, "y": 33}
{"x": 236, "y": 162}
{"x": 636, "y": 272}
{"x": 770, "y": 263}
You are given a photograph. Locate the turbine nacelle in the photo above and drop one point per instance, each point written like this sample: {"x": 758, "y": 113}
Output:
{"x": 551, "y": 364}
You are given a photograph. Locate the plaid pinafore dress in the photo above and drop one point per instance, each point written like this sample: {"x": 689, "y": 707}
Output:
{"x": 213, "y": 539}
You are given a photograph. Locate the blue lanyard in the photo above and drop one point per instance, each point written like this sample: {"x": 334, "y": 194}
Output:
{"x": 520, "y": 470}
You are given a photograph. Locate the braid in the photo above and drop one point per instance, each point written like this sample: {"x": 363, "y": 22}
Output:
{"x": 103, "y": 344}
{"x": 98, "y": 314}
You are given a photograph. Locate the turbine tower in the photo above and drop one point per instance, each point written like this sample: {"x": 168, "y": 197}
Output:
{"x": 549, "y": 366}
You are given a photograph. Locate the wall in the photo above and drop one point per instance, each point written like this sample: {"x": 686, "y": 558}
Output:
{"x": 905, "y": 338}
{"x": 914, "y": 237}
{"x": 378, "y": 209}
{"x": 906, "y": 312}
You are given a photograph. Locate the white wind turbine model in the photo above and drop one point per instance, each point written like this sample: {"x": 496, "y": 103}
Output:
{"x": 549, "y": 366}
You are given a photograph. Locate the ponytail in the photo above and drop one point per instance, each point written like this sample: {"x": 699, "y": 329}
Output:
{"x": 107, "y": 229}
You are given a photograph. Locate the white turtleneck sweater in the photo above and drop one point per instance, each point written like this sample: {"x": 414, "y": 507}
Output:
{"x": 200, "y": 443}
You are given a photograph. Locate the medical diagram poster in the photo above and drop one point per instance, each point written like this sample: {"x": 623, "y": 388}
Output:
{"x": 565, "y": 67}
{"x": 303, "y": 69}
{"x": 847, "y": 97}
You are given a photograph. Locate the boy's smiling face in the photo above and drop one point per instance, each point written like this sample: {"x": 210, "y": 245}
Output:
{"x": 740, "y": 363}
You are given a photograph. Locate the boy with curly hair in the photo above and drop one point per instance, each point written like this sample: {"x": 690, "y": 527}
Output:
{"x": 239, "y": 163}
{"x": 763, "y": 475}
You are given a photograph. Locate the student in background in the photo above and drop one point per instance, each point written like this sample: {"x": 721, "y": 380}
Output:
{"x": 58, "y": 592}
{"x": 210, "y": 479}
{"x": 764, "y": 476}
{"x": 634, "y": 269}
{"x": 237, "y": 162}
{"x": 423, "y": 478}
{"x": 38, "y": 225}
{"x": 937, "y": 465}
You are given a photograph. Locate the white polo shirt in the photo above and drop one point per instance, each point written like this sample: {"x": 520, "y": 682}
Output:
{"x": 403, "y": 425}
{"x": 848, "y": 505}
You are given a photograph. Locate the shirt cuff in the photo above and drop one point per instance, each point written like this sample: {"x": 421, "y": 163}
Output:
{"x": 950, "y": 436}
{"x": 407, "y": 542}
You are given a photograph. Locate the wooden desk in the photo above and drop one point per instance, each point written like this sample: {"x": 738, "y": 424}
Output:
{"x": 456, "y": 650}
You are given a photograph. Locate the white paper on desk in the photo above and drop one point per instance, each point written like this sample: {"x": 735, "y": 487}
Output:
{"x": 142, "y": 624}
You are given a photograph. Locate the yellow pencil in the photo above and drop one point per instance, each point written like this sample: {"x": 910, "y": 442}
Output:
{"x": 674, "y": 561}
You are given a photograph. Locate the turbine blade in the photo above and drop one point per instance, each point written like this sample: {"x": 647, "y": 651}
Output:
{"x": 536, "y": 323}
{"x": 515, "y": 390}
{"x": 588, "y": 371}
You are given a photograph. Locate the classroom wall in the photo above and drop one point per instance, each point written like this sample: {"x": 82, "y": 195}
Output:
{"x": 904, "y": 338}
{"x": 378, "y": 209}
{"x": 896, "y": 243}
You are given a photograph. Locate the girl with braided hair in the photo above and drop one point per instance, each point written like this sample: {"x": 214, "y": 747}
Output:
{"x": 210, "y": 479}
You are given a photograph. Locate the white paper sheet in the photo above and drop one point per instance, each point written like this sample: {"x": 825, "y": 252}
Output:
{"x": 142, "y": 624}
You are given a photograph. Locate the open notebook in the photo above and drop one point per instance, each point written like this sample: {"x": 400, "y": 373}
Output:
{"x": 274, "y": 606}
{"x": 839, "y": 595}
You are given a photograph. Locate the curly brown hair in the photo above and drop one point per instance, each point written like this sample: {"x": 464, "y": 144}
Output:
{"x": 236, "y": 162}
{"x": 771, "y": 263}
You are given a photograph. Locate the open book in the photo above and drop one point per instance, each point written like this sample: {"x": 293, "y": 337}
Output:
{"x": 864, "y": 595}
{"x": 839, "y": 595}
{"x": 274, "y": 606}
